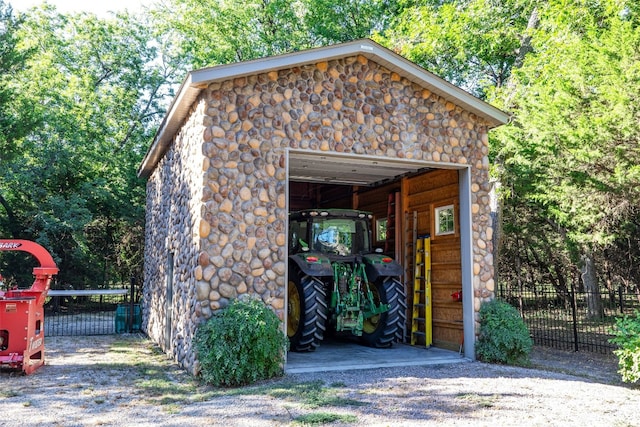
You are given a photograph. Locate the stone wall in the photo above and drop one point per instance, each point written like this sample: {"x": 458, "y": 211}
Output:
{"x": 349, "y": 105}
{"x": 174, "y": 194}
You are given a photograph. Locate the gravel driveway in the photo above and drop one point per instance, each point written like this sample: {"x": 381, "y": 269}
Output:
{"x": 125, "y": 380}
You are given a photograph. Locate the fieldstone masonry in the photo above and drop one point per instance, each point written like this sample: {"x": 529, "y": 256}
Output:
{"x": 217, "y": 199}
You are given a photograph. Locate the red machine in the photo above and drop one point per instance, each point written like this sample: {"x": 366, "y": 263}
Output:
{"x": 22, "y": 312}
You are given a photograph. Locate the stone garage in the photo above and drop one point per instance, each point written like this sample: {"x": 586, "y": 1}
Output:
{"x": 352, "y": 126}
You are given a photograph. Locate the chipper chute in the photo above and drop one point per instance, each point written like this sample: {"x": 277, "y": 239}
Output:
{"x": 22, "y": 312}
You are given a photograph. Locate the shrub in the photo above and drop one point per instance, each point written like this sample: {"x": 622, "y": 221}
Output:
{"x": 627, "y": 338}
{"x": 504, "y": 338}
{"x": 241, "y": 344}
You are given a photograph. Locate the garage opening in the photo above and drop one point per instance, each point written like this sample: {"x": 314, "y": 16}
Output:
{"x": 408, "y": 201}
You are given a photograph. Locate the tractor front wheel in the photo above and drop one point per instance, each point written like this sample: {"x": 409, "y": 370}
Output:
{"x": 383, "y": 329}
{"x": 306, "y": 311}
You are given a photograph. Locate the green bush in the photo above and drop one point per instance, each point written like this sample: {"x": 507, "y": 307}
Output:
{"x": 504, "y": 338}
{"x": 241, "y": 344}
{"x": 627, "y": 338}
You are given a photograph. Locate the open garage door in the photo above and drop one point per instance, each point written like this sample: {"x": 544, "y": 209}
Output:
{"x": 365, "y": 182}
{"x": 349, "y": 170}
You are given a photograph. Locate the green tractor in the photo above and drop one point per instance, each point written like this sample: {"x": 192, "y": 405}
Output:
{"x": 338, "y": 284}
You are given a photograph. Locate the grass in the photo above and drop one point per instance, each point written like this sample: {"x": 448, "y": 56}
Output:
{"x": 9, "y": 393}
{"x": 159, "y": 382}
{"x": 312, "y": 394}
{"x": 321, "y": 418}
{"x": 143, "y": 366}
{"x": 478, "y": 400}
{"x": 140, "y": 366}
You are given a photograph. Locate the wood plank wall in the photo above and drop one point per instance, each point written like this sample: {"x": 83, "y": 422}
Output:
{"x": 376, "y": 201}
{"x": 423, "y": 194}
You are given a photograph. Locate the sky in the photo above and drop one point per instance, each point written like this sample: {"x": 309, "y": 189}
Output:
{"x": 99, "y": 7}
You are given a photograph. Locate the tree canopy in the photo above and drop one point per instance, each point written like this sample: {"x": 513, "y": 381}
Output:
{"x": 87, "y": 94}
{"x": 569, "y": 160}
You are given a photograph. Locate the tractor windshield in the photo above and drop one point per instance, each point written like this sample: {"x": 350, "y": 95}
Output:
{"x": 342, "y": 236}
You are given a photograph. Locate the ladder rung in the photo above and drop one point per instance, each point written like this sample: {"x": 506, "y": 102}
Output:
{"x": 421, "y": 315}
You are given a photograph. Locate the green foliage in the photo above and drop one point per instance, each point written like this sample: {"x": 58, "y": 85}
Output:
{"x": 14, "y": 119}
{"x": 241, "y": 344}
{"x": 332, "y": 21}
{"x": 568, "y": 161}
{"x": 323, "y": 418}
{"x": 575, "y": 139}
{"x": 212, "y": 32}
{"x": 472, "y": 43}
{"x": 90, "y": 93}
{"x": 504, "y": 337}
{"x": 627, "y": 337}
{"x": 314, "y": 394}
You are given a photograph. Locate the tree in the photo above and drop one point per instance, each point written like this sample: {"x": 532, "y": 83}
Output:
{"x": 568, "y": 162}
{"x": 571, "y": 152}
{"x": 471, "y": 43}
{"x": 213, "y": 32}
{"x": 332, "y": 21}
{"x": 15, "y": 119}
{"x": 97, "y": 87}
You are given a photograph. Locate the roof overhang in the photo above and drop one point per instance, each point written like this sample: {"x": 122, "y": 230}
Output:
{"x": 198, "y": 80}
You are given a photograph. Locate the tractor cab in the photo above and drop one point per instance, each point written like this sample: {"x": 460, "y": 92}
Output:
{"x": 337, "y": 283}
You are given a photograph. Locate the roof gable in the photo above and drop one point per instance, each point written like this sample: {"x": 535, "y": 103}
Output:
{"x": 198, "y": 80}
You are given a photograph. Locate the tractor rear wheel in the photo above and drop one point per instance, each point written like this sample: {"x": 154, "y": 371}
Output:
{"x": 306, "y": 311}
{"x": 385, "y": 328}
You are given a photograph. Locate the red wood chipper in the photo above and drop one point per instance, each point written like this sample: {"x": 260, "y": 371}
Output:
{"x": 22, "y": 312}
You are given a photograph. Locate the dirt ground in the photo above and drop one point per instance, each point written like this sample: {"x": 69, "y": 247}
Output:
{"x": 120, "y": 380}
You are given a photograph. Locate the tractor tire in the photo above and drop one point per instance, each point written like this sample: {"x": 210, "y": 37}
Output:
{"x": 382, "y": 330}
{"x": 306, "y": 311}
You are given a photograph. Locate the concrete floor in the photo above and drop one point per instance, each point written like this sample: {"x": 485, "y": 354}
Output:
{"x": 344, "y": 356}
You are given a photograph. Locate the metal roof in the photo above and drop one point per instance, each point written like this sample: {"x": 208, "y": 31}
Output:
{"x": 198, "y": 80}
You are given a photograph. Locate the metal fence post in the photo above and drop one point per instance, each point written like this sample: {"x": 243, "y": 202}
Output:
{"x": 621, "y": 299}
{"x": 574, "y": 309}
{"x": 131, "y": 306}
